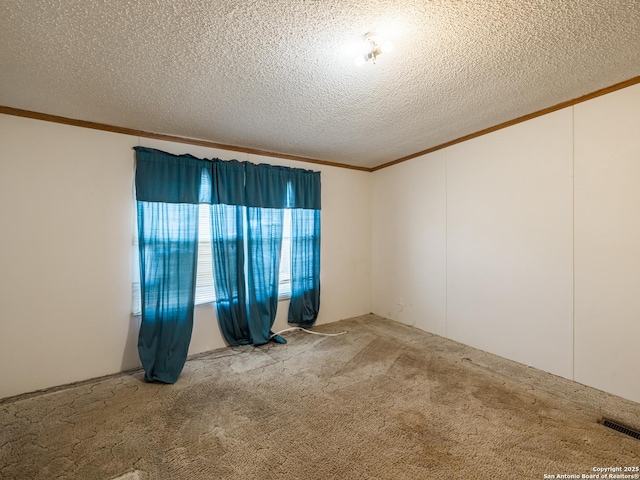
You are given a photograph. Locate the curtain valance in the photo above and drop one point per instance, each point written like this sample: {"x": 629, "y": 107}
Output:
{"x": 168, "y": 178}
{"x": 162, "y": 177}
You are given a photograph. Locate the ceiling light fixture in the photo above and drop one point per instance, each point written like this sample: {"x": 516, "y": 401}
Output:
{"x": 372, "y": 47}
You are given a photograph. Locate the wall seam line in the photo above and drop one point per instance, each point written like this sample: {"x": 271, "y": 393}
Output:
{"x": 573, "y": 242}
{"x": 446, "y": 243}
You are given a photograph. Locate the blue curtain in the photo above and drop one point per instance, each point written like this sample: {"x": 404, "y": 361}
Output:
{"x": 227, "y": 245}
{"x": 266, "y": 190}
{"x": 264, "y": 244}
{"x": 247, "y": 208}
{"x": 167, "y": 192}
{"x": 304, "y": 197}
{"x": 228, "y": 249}
{"x": 305, "y": 267}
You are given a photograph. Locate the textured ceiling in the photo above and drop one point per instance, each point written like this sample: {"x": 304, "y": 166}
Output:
{"x": 278, "y": 75}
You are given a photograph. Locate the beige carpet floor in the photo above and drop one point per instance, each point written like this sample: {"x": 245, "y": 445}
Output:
{"x": 384, "y": 401}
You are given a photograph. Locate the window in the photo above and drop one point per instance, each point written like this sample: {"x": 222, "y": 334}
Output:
{"x": 205, "y": 292}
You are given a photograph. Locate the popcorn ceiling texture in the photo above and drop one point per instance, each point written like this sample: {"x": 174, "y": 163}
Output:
{"x": 276, "y": 75}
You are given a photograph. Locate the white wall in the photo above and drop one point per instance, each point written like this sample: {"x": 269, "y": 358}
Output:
{"x": 409, "y": 241}
{"x": 607, "y": 248}
{"x": 509, "y": 243}
{"x": 484, "y": 232}
{"x": 67, "y": 218}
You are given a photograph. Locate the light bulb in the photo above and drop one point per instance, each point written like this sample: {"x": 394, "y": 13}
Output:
{"x": 386, "y": 47}
{"x": 365, "y": 48}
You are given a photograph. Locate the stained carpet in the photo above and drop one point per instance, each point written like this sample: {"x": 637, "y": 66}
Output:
{"x": 384, "y": 401}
